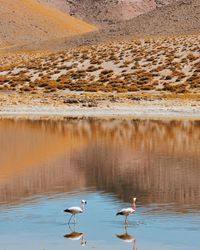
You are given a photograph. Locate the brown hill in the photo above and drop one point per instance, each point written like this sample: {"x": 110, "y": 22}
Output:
{"x": 180, "y": 18}
{"x": 25, "y": 21}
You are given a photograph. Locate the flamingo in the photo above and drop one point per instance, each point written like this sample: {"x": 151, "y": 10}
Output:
{"x": 75, "y": 210}
{"x": 127, "y": 211}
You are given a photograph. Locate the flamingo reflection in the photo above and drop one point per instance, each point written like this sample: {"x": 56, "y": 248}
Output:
{"x": 76, "y": 236}
{"x": 127, "y": 238}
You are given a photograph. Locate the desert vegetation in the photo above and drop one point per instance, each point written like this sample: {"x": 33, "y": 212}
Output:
{"x": 154, "y": 65}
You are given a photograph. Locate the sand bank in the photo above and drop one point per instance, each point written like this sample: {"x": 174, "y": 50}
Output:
{"x": 142, "y": 110}
{"x": 73, "y": 105}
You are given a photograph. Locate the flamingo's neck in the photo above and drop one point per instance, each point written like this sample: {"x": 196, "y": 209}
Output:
{"x": 83, "y": 206}
{"x": 134, "y": 205}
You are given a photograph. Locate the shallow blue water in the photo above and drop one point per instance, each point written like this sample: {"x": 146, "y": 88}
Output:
{"x": 42, "y": 225}
{"x": 165, "y": 183}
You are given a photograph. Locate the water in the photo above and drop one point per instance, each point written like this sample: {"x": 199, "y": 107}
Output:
{"x": 47, "y": 166}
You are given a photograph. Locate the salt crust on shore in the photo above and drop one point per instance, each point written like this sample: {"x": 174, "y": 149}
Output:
{"x": 142, "y": 110}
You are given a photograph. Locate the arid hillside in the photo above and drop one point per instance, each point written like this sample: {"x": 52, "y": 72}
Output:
{"x": 103, "y": 12}
{"x": 26, "y": 21}
{"x": 179, "y": 18}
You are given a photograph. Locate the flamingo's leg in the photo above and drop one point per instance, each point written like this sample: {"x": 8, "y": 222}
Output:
{"x": 74, "y": 219}
{"x": 70, "y": 219}
{"x": 126, "y": 221}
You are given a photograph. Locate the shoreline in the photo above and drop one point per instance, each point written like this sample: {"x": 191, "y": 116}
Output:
{"x": 62, "y": 105}
{"x": 141, "y": 111}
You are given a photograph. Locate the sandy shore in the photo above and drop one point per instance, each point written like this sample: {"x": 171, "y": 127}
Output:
{"x": 70, "y": 105}
{"x": 142, "y": 110}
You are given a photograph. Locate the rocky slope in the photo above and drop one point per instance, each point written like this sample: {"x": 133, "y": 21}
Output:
{"x": 161, "y": 3}
{"x": 104, "y": 12}
{"x": 182, "y": 17}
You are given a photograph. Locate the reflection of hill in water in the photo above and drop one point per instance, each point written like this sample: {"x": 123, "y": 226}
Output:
{"x": 156, "y": 160}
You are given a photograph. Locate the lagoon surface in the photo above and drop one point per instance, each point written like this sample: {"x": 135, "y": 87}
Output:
{"x": 49, "y": 165}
